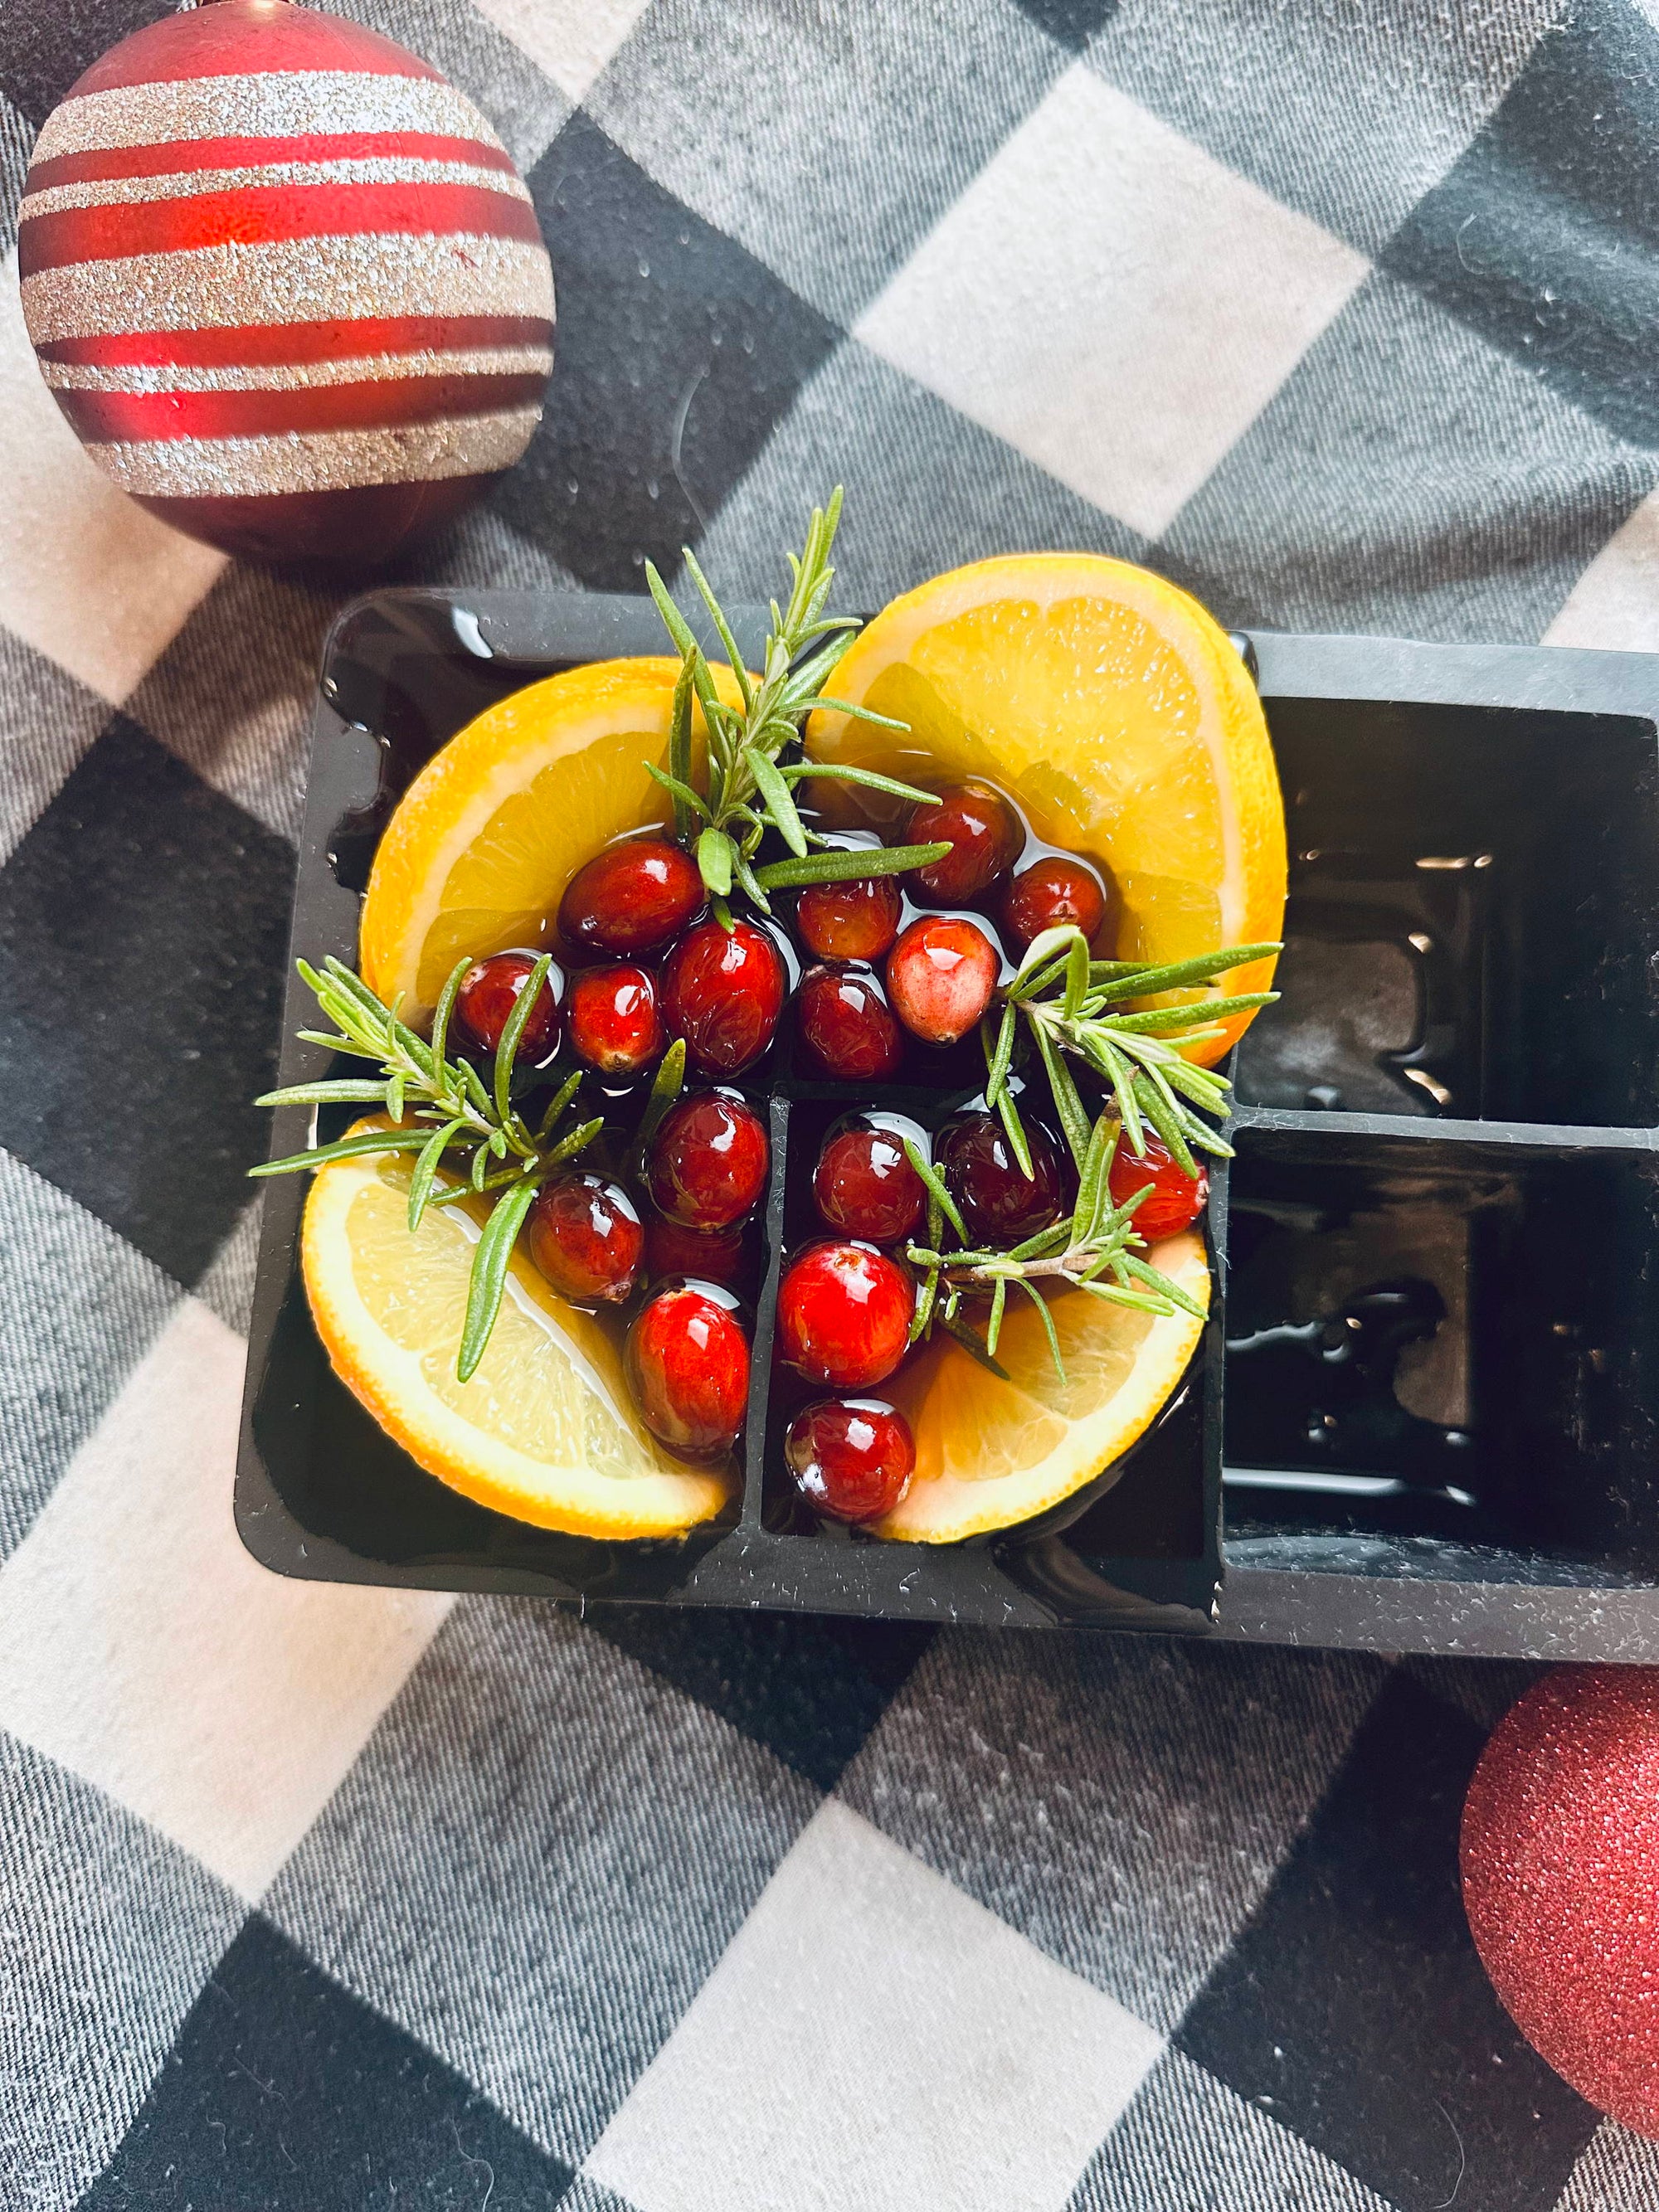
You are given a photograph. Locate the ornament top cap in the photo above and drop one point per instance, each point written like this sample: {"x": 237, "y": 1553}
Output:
{"x": 214, "y": 41}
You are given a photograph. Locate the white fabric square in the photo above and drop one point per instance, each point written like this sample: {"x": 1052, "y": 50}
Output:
{"x": 87, "y": 575}
{"x": 568, "y": 40}
{"x": 874, "y": 2041}
{"x": 1113, "y": 301}
{"x": 142, "y": 1647}
{"x": 1615, "y": 602}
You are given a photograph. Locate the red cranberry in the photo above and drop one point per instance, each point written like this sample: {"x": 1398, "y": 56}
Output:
{"x": 687, "y": 1362}
{"x": 851, "y": 1457}
{"x": 853, "y": 921}
{"x": 587, "y": 1239}
{"x": 941, "y": 976}
{"x": 1178, "y": 1198}
{"x": 1051, "y": 892}
{"x": 984, "y": 835}
{"x": 723, "y": 992}
{"x": 845, "y": 1025}
{"x": 712, "y": 1255}
{"x": 631, "y": 897}
{"x": 490, "y": 990}
{"x": 708, "y": 1160}
{"x": 1001, "y": 1205}
{"x": 614, "y": 1023}
{"x": 864, "y": 1184}
{"x": 844, "y": 1315}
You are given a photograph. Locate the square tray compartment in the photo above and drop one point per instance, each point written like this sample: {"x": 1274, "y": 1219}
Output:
{"x": 322, "y": 1492}
{"x": 1447, "y": 1134}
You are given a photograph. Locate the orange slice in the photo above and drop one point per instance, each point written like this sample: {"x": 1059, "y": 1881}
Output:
{"x": 990, "y": 1453}
{"x": 545, "y": 1430}
{"x": 1118, "y": 713}
{"x": 485, "y": 839}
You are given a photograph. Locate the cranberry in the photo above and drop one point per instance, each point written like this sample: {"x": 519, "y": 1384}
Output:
{"x": 845, "y": 1025}
{"x": 853, "y": 921}
{"x": 708, "y": 1160}
{"x": 723, "y": 992}
{"x": 851, "y": 1457}
{"x": 999, "y": 1203}
{"x": 490, "y": 990}
{"x": 984, "y": 835}
{"x": 1178, "y": 1198}
{"x": 712, "y": 1255}
{"x": 587, "y": 1239}
{"x": 864, "y": 1184}
{"x": 687, "y": 1362}
{"x": 631, "y": 897}
{"x": 941, "y": 976}
{"x": 1050, "y": 892}
{"x": 614, "y": 1023}
{"x": 844, "y": 1315}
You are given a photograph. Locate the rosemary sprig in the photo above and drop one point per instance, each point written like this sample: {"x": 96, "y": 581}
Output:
{"x": 750, "y": 785}
{"x": 1096, "y": 1250}
{"x": 1073, "y": 1007}
{"x": 442, "y": 1111}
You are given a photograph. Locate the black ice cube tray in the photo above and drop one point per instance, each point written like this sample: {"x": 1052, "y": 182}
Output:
{"x": 1435, "y": 1252}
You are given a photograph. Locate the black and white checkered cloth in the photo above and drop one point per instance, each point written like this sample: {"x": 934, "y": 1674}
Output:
{"x": 1343, "y": 311}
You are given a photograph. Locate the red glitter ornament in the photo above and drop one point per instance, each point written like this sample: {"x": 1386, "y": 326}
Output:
{"x": 1560, "y": 1854}
{"x": 284, "y": 282}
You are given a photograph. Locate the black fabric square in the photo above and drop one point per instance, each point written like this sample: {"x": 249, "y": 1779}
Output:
{"x": 1072, "y": 22}
{"x": 44, "y": 48}
{"x": 143, "y": 922}
{"x": 810, "y": 1690}
{"x": 677, "y": 353}
{"x": 1545, "y": 236}
{"x": 282, "y": 2092}
{"x": 1354, "y": 2007}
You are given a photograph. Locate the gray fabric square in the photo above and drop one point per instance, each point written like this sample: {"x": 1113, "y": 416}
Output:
{"x": 233, "y": 694}
{"x": 1485, "y": 1689}
{"x": 1188, "y": 2144}
{"x": 47, "y": 720}
{"x": 482, "y": 548}
{"x": 926, "y": 489}
{"x": 1617, "y": 2171}
{"x": 228, "y": 1285}
{"x": 586, "y": 2195}
{"x": 107, "y": 1937}
{"x": 81, "y": 1309}
{"x": 16, "y": 141}
{"x": 1408, "y": 478}
{"x": 1123, "y": 1804}
{"x": 537, "y": 1860}
{"x": 497, "y": 76}
{"x": 1350, "y": 112}
{"x": 827, "y": 139}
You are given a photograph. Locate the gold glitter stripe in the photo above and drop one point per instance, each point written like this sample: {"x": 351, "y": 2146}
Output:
{"x": 193, "y": 184}
{"x": 320, "y": 461}
{"x": 276, "y": 104}
{"x": 296, "y": 376}
{"x": 289, "y": 280}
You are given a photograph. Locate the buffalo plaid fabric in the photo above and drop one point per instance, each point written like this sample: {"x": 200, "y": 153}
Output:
{"x": 316, "y": 1898}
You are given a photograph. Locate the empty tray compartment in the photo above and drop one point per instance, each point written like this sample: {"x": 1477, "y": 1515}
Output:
{"x": 1475, "y": 904}
{"x": 1449, "y": 1340}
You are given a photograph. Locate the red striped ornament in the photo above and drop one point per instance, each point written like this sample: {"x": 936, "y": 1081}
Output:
{"x": 285, "y": 282}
